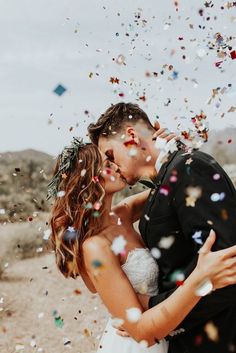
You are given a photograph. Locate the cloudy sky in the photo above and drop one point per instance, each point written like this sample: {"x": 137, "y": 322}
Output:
{"x": 168, "y": 52}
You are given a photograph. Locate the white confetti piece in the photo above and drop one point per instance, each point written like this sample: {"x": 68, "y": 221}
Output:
{"x": 33, "y": 343}
{"x": 2, "y": 211}
{"x": 61, "y": 193}
{"x": 133, "y": 314}
{"x": 143, "y": 344}
{"x": 217, "y": 197}
{"x": 166, "y": 242}
{"x": 19, "y": 347}
{"x": 46, "y": 234}
{"x": 40, "y": 315}
{"x": 204, "y": 288}
{"x": 132, "y": 152}
{"x": 83, "y": 172}
{"x": 201, "y": 53}
{"x": 118, "y": 245}
{"x": 156, "y": 253}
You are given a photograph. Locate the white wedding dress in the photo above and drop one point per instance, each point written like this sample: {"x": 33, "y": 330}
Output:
{"x": 142, "y": 271}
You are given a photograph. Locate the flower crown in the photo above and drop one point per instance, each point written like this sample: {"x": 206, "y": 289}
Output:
{"x": 66, "y": 159}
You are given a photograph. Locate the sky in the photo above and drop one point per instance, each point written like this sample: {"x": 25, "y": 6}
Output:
{"x": 166, "y": 56}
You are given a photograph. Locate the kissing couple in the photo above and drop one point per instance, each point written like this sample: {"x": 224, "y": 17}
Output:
{"x": 171, "y": 286}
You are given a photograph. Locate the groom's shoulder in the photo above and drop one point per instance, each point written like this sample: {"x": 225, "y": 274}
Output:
{"x": 194, "y": 160}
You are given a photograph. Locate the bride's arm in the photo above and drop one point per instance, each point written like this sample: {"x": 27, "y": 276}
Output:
{"x": 132, "y": 206}
{"x": 118, "y": 295}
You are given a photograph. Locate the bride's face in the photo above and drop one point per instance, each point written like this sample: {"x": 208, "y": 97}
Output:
{"x": 112, "y": 179}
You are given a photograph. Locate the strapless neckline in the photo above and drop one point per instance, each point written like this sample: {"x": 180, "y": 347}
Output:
{"x": 131, "y": 253}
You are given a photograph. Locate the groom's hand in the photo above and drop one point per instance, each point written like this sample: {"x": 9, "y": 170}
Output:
{"x": 163, "y": 133}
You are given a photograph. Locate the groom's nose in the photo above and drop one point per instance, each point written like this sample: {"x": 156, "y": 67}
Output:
{"x": 115, "y": 167}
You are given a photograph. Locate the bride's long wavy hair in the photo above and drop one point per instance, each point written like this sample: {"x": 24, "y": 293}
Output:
{"x": 80, "y": 209}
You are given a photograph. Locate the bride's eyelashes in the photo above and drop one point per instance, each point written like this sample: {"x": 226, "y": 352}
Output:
{"x": 110, "y": 155}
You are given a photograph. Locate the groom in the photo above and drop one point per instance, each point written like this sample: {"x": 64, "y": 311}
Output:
{"x": 190, "y": 195}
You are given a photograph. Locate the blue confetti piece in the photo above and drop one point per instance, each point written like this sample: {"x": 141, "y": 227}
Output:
{"x": 59, "y": 90}
{"x": 197, "y": 237}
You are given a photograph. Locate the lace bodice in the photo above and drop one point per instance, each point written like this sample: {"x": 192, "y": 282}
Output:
{"x": 142, "y": 271}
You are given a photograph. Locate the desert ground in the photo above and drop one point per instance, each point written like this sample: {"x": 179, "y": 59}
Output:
{"x": 41, "y": 311}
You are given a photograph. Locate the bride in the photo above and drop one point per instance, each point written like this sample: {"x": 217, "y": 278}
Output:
{"x": 93, "y": 239}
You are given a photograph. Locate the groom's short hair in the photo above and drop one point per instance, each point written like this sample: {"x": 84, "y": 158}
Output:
{"x": 115, "y": 118}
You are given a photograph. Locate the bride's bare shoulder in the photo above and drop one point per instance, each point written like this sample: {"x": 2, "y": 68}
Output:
{"x": 97, "y": 248}
{"x": 95, "y": 243}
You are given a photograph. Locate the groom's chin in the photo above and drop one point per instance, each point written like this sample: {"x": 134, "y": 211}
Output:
{"x": 132, "y": 181}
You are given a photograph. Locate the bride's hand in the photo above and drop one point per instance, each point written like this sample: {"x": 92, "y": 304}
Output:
{"x": 163, "y": 133}
{"x": 218, "y": 266}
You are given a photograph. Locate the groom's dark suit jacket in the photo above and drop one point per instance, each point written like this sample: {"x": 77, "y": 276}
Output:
{"x": 192, "y": 195}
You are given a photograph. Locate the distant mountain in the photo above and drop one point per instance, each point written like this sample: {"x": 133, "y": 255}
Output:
{"x": 24, "y": 176}
{"x": 28, "y": 154}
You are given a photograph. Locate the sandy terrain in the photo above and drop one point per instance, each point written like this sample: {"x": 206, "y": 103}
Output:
{"x": 31, "y": 292}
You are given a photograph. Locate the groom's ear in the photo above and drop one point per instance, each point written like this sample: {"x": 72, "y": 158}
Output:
{"x": 131, "y": 136}
{"x": 156, "y": 125}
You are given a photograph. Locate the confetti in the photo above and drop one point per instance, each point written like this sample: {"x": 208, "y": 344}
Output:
{"x": 164, "y": 190}
{"x": 132, "y": 152}
{"x": 59, "y": 322}
{"x": 197, "y": 237}
{"x": 143, "y": 344}
{"x": 97, "y": 264}
{"x": 166, "y": 242}
{"x": 116, "y": 322}
{"x": 61, "y": 193}
{"x": 217, "y": 197}
{"x": 83, "y": 172}
{"x": 233, "y": 54}
{"x": 120, "y": 59}
{"x": 216, "y": 176}
{"x": 204, "y": 288}
{"x": 59, "y": 90}
{"x": 194, "y": 193}
{"x": 133, "y": 314}
{"x": 118, "y": 245}
{"x": 156, "y": 253}
{"x": 212, "y": 331}
{"x": 178, "y": 277}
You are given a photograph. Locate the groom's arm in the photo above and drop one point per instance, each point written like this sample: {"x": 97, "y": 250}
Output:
{"x": 195, "y": 201}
